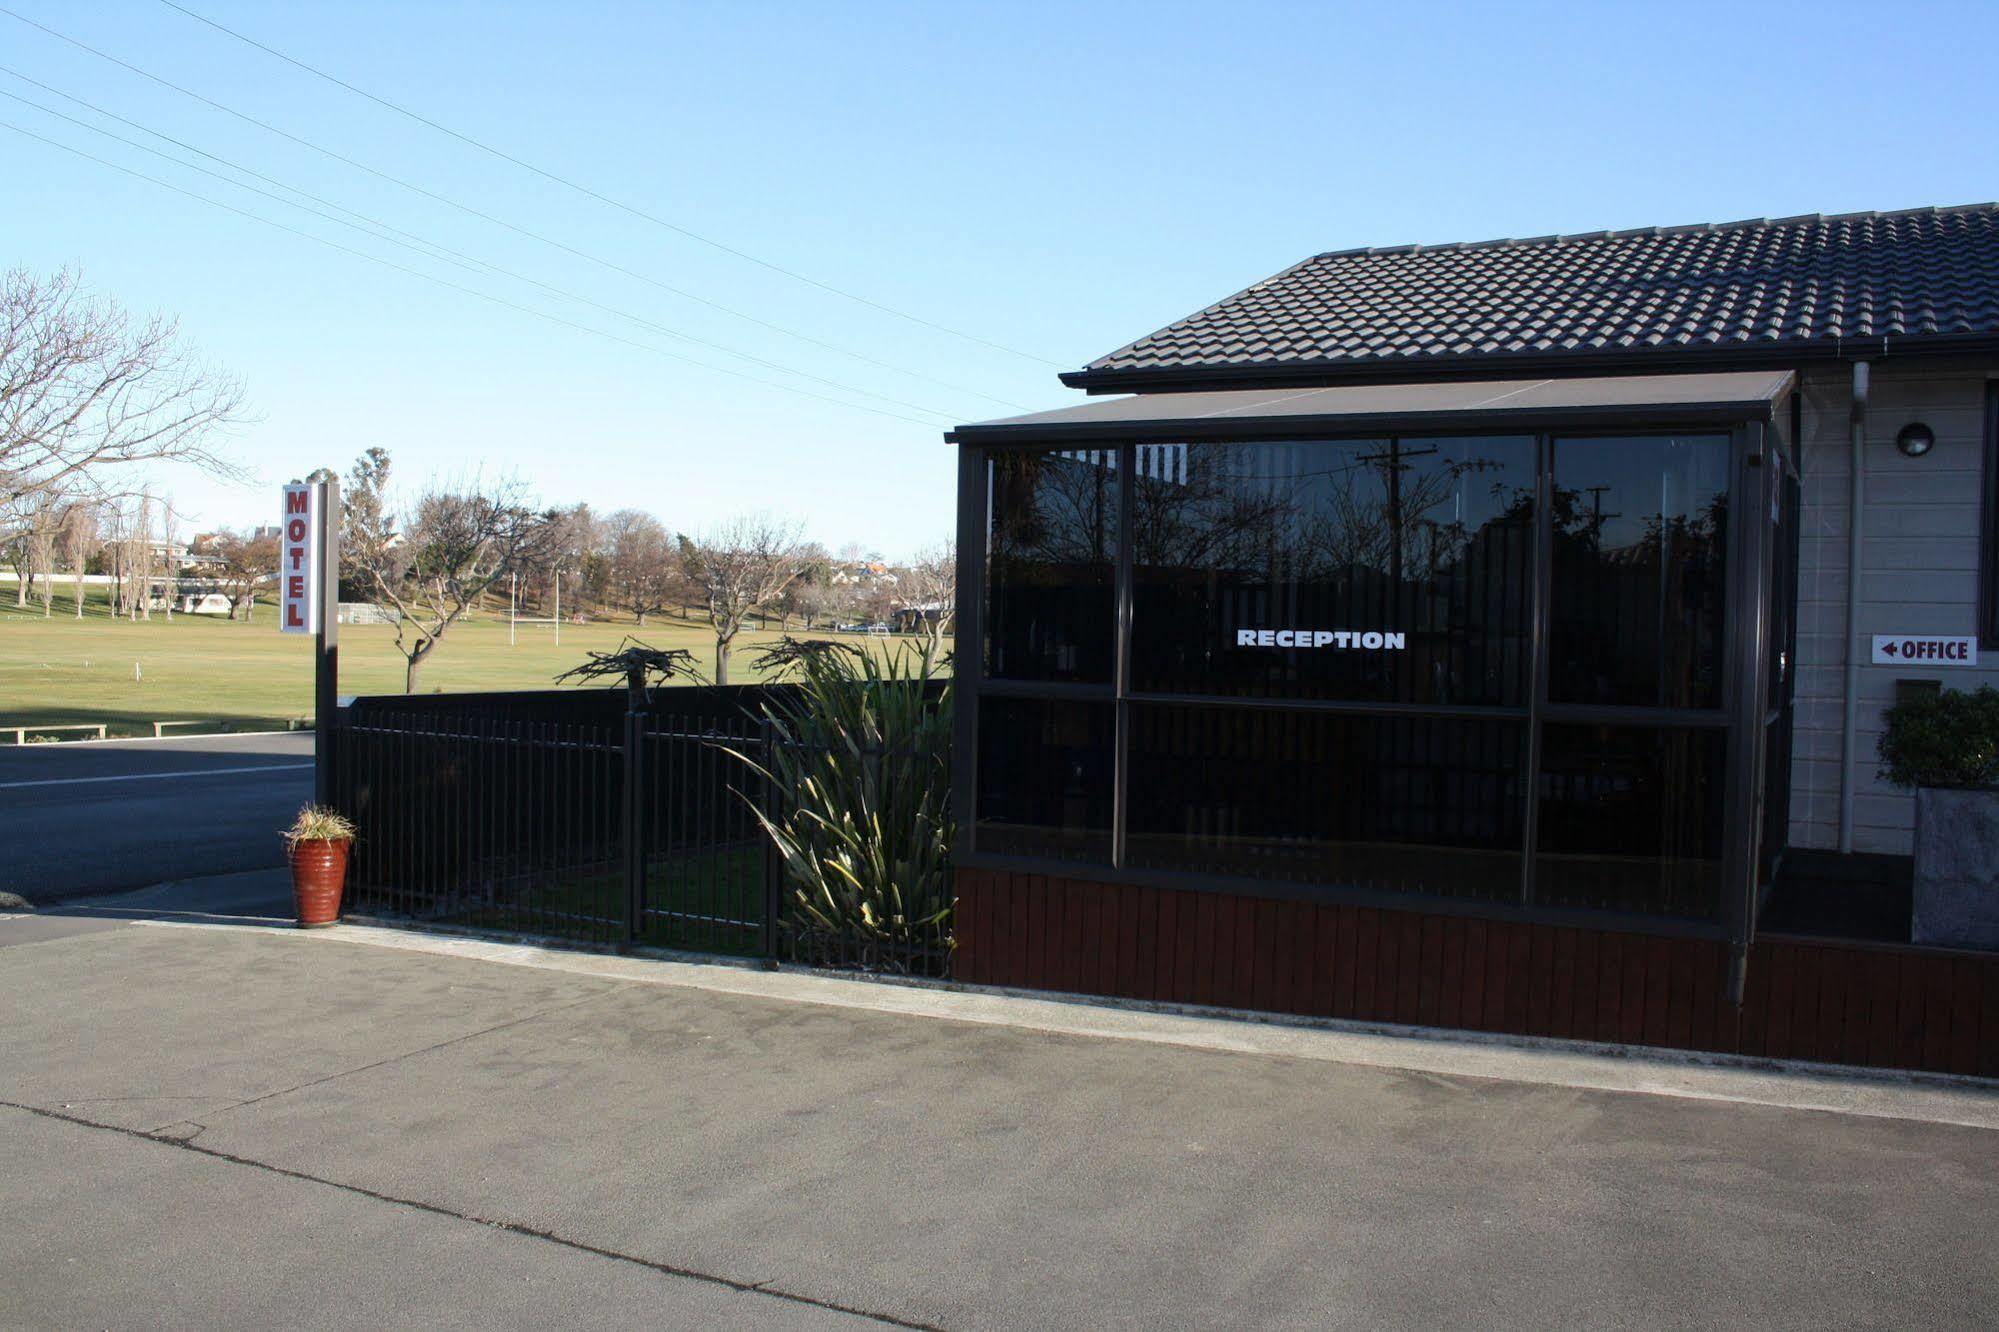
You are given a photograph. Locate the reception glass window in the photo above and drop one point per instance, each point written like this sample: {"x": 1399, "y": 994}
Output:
{"x": 1051, "y": 565}
{"x": 1487, "y": 667}
{"x": 1391, "y": 803}
{"x": 1639, "y": 563}
{"x": 1631, "y": 819}
{"x": 1045, "y": 773}
{"x": 1389, "y": 570}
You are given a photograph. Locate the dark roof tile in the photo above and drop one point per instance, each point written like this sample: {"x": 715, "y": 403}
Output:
{"x": 1926, "y": 272}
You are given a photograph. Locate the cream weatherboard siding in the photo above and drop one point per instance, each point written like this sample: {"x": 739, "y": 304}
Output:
{"x": 1919, "y": 574}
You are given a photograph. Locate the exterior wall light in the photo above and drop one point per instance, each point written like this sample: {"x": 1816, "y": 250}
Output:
{"x": 1915, "y": 439}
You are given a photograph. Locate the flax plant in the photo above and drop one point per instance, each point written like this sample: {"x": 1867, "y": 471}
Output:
{"x": 860, "y": 767}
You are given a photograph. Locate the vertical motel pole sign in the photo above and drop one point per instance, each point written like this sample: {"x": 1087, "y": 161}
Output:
{"x": 308, "y": 603}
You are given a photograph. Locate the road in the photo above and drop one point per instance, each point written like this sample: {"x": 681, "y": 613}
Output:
{"x": 237, "y": 1126}
{"x": 83, "y": 819}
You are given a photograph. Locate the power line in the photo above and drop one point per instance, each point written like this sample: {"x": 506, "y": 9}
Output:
{"x": 585, "y": 190}
{"x": 188, "y": 147}
{"x": 471, "y": 264}
{"x": 453, "y": 286}
{"x": 482, "y": 215}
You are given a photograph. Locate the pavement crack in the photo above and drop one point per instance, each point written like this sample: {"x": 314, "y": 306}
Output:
{"x": 423, "y": 1050}
{"x": 767, "y": 1289}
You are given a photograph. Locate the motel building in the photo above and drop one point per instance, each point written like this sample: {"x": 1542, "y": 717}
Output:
{"x": 1497, "y": 636}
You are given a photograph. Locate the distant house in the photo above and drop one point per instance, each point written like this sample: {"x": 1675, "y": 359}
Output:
{"x": 864, "y": 573}
{"x": 366, "y": 612}
{"x": 915, "y": 619}
{"x": 204, "y": 603}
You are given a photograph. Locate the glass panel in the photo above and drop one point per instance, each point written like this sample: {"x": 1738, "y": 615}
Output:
{"x": 1045, "y": 778}
{"x": 1378, "y": 570}
{"x": 1640, "y": 527}
{"x": 1051, "y": 567}
{"x": 1402, "y": 804}
{"x": 1631, "y": 820}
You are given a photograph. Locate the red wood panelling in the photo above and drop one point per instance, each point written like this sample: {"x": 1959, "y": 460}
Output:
{"x": 1805, "y": 999}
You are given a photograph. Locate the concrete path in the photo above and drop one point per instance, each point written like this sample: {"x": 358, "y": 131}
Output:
{"x": 86, "y": 818}
{"x": 210, "y": 1120}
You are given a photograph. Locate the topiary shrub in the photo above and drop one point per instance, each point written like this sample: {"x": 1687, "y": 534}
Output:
{"x": 1947, "y": 739}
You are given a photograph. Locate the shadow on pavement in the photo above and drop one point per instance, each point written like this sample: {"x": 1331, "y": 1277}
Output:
{"x": 251, "y": 897}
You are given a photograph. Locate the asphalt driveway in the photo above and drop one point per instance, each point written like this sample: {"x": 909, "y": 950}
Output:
{"x": 205, "y": 1123}
{"x": 79, "y": 819}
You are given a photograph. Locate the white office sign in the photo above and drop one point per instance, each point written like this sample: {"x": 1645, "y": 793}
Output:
{"x": 1368, "y": 640}
{"x": 299, "y": 561}
{"x": 1924, "y": 650}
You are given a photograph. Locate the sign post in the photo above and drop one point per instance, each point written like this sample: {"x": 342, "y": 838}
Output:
{"x": 309, "y": 603}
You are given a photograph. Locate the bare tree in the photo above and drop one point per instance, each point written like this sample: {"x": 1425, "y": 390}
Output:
{"x": 136, "y": 559}
{"x": 811, "y": 596}
{"x": 247, "y": 561}
{"x": 79, "y": 540}
{"x": 42, "y": 534}
{"x": 561, "y": 554}
{"x": 440, "y": 560}
{"x": 644, "y": 566}
{"x": 84, "y": 388}
{"x": 14, "y": 547}
{"x": 740, "y": 570}
{"x": 930, "y": 594}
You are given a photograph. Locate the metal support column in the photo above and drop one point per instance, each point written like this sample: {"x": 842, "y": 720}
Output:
{"x": 326, "y": 654}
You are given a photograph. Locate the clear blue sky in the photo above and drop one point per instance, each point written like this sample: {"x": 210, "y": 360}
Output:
{"x": 1058, "y": 178}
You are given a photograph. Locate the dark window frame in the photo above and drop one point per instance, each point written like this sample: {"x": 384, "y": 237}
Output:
{"x": 1747, "y": 439}
{"x": 1988, "y": 525}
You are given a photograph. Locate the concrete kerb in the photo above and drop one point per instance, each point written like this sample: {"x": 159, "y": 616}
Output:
{"x": 1637, "y": 1070}
{"x": 168, "y": 739}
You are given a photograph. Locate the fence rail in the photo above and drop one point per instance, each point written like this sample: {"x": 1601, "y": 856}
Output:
{"x": 21, "y": 733}
{"x": 614, "y": 827}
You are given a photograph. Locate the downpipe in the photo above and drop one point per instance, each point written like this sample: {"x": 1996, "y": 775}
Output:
{"x": 1856, "y": 495}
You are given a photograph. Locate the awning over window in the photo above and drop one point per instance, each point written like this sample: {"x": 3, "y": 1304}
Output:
{"x": 1351, "y": 409}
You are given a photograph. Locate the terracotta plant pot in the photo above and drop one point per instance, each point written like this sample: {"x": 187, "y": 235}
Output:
{"x": 319, "y": 870}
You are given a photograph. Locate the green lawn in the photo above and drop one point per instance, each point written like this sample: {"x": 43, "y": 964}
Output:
{"x": 704, "y": 901}
{"x": 708, "y": 901}
{"x": 248, "y": 676}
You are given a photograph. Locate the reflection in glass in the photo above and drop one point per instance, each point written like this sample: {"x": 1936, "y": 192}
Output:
{"x": 1631, "y": 820}
{"x": 1640, "y": 528}
{"x": 1051, "y": 565}
{"x": 1045, "y": 778}
{"x": 1426, "y": 542}
{"x": 1401, "y": 804}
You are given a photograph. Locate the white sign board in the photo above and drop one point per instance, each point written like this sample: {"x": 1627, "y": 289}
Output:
{"x": 1924, "y": 650}
{"x": 299, "y": 561}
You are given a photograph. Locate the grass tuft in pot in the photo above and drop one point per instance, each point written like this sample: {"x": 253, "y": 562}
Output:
{"x": 317, "y": 823}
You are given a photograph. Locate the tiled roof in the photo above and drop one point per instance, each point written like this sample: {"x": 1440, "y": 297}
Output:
{"x": 1766, "y": 285}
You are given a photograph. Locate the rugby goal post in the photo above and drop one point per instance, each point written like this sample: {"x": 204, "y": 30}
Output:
{"x": 514, "y": 617}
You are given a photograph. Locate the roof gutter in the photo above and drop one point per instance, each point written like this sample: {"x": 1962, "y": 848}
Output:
{"x": 1251, "y": 427}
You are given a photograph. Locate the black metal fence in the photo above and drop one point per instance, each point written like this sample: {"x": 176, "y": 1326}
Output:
{"x": 565, "y": 813}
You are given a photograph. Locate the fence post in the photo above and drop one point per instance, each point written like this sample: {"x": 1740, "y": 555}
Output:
{"x": 634, "y": 825}
{"x": 773, "y": 871}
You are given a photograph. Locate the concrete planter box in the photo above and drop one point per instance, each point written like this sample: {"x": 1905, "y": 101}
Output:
{"x": 1957, "y": 868}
